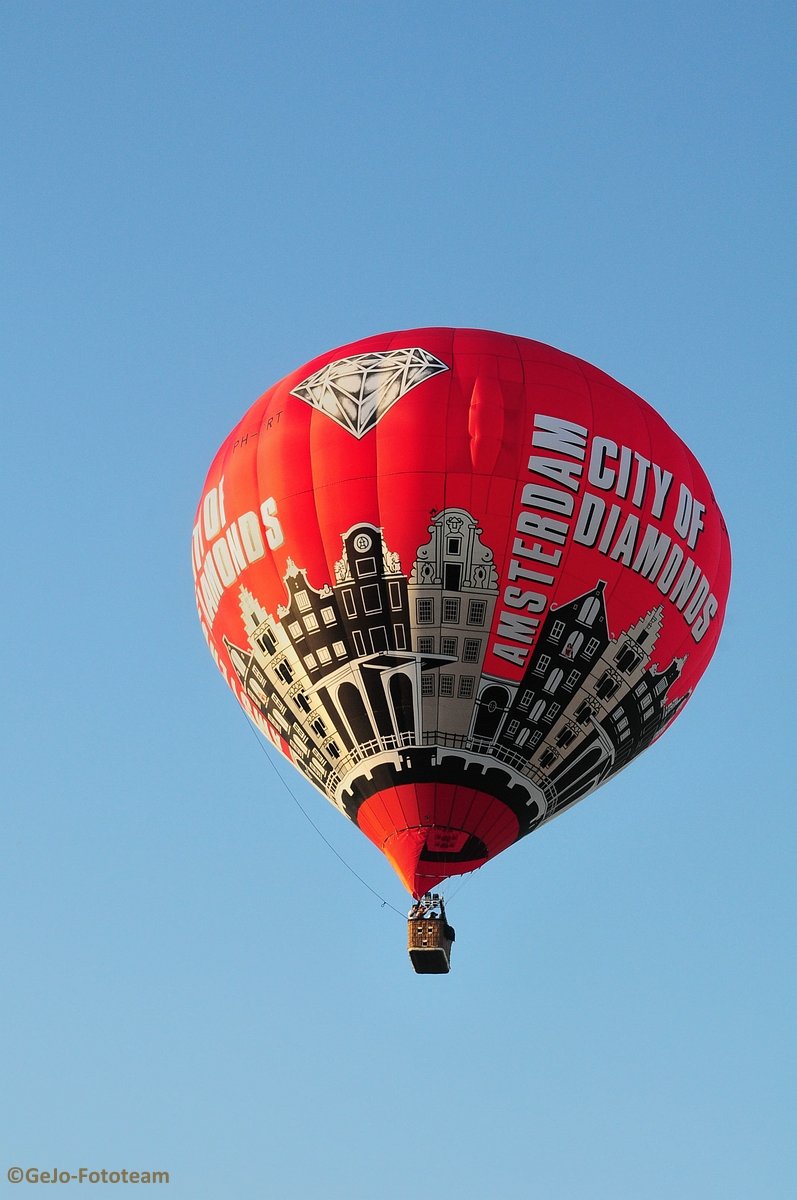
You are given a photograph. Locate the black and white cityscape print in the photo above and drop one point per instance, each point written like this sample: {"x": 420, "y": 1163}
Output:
{"x": 379, "y": 679}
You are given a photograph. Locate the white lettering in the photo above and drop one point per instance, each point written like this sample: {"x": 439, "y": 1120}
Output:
{"x": 271, "y": 523}
{"x": 590, "y": 518}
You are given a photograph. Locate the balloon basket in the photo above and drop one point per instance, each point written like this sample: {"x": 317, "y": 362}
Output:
{"x": 429, "y": 937}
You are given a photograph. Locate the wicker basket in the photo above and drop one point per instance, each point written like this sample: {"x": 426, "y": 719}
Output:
{"x": 429, "y": 941}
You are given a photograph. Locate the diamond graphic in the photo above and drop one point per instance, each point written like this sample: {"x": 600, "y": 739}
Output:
{"x": 357, "y": 392}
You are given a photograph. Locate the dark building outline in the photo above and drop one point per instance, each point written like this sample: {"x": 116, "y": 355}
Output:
{"x": 338, "y": 678}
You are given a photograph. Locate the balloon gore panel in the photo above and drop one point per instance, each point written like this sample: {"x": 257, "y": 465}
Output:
{"x": 460, "y": 579}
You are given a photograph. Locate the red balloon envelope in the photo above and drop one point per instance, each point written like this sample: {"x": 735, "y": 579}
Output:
{"x": 460, "y": 579}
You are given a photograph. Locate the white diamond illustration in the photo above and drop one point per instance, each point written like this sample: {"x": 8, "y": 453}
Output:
{"x": 358, "y": 391}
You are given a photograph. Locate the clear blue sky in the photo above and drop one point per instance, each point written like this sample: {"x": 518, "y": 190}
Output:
{"x": 197, "y": 198}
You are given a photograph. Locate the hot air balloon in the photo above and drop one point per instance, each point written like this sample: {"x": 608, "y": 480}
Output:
{"x": 460, "y": 579}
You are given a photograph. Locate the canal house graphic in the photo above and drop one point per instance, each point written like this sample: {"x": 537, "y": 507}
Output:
{"x": 379, "y": 679}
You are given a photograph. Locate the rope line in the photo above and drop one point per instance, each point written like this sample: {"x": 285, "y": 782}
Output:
{"x": 287, "y": 785}
{"x": 463, "y": 879}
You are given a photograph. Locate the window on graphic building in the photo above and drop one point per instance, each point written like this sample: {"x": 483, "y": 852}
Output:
{"x": 378, "y": 638}
{"x": 554, "y": 679}
{"x": 589, "y": 611}
{"x": 372, "y": 599}
{"x": 627, "y": 659}
{"x": 267, "y": 641}
{"x": 366, "y": 567}
{"x": 471, "y": 649}
{"x": 606, "y": 686}
{"x": 573, "y": 644}
{"x": 477, "y": 611}
{"x": 452, "y": 577}
{"x": 451, "y": 608}
{"x": 424, "y": 607}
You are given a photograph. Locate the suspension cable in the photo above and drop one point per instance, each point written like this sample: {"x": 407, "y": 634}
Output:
{"x": 287, "y": 785}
